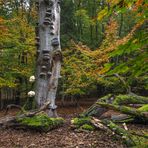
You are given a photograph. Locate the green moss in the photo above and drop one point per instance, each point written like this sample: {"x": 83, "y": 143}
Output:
{"x": 140, "y": 142}
{"x": 83, "y": 123}
{"x": 105, "y": 98}
{"x": 126, "y": 137}
{"x": 144, "y": 108}
{"x": 132, "y": 99}
{"x": 41, "y": 122}
{"x": 87, "y": 127}
{"x": 80, "y": 121}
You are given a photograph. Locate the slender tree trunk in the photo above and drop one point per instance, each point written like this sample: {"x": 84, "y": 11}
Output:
{"x": 121, "y": 25}
{"x": 49, "y": 53}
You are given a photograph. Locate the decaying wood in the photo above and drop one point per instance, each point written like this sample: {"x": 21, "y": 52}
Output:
{"x": 125, "y": 135}
{"x": 10, "y": 121}
{"x": 126, "y": 110}
{"x": 98, "y": 124}
{"x": 129, "y": 99}
{"x": 13, "y": 106}
{"x": 48, "y": 52}
{"x": 109, "y": 126}
{"x": 97, "y": 109}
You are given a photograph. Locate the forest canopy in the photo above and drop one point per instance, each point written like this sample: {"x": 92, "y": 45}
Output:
{"x": 99, "y": 39}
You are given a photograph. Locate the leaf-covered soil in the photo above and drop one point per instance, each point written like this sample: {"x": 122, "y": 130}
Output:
{"x": 63, "y": 137}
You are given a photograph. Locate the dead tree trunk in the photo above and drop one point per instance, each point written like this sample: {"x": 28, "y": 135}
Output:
{"x": 48, "y": 53}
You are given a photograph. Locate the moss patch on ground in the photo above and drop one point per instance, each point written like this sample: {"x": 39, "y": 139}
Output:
{"x": 87, "y": 127}
{"x": 83, "y": 123}
{"x": 41, "y": 122}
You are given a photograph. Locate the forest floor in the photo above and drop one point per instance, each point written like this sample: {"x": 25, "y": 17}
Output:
{"x": 63, "y": 137}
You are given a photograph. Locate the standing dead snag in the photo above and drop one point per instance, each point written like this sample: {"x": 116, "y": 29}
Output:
{"x": 48, "y": 52}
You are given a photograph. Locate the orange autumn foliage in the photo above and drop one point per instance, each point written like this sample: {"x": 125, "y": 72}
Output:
{"x": 101, "y": 56}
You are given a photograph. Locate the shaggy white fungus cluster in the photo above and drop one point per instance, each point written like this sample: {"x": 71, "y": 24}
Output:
{"x": 31, "y": 93}
{"x": 32, "y": 79}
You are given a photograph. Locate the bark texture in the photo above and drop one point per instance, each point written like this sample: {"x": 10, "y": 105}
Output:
{"x": 48, "y": 52}
{"x": 96, "y": 110}
{"x": 117, "y": 103}
{"x": 143, "y": 116}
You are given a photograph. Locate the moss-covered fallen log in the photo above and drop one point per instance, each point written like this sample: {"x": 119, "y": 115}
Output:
{"x": 130, "y": 99}
{"x": 137, "y": 114}
{"x": 37, "y": 120}
{"x": 9, "y": 120}
{"x": 126, "y": 137}
{"x": 122, "y": 118}
{"x": 91, "y": 123}
{"x": 97, "y": 110}
{"x": 124, "y": 99}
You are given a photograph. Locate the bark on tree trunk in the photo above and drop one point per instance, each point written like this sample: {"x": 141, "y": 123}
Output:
{"x": 48, "y": 53}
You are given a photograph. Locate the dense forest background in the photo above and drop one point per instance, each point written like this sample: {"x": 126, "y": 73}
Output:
{"x": 103, "y": 44}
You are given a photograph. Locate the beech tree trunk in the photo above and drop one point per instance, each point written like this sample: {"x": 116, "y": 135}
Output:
{"x": 48, "y": 53}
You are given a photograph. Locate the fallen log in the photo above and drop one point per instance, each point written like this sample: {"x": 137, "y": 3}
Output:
{"x": 137, "y": 114}
{"x": 37, "y": 120}
{"x": 98, "y": 124}
{"x": 109, "y": 126}
{"x": 96, "y": 110}
{"x": 130, "y": 99}
{"x": 4, "y": 121}
{"x": 126, "y": 137}
{"x": 122, "y": 118}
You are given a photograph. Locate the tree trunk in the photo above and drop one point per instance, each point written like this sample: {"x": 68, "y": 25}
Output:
{"x": 48, "y": 53}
